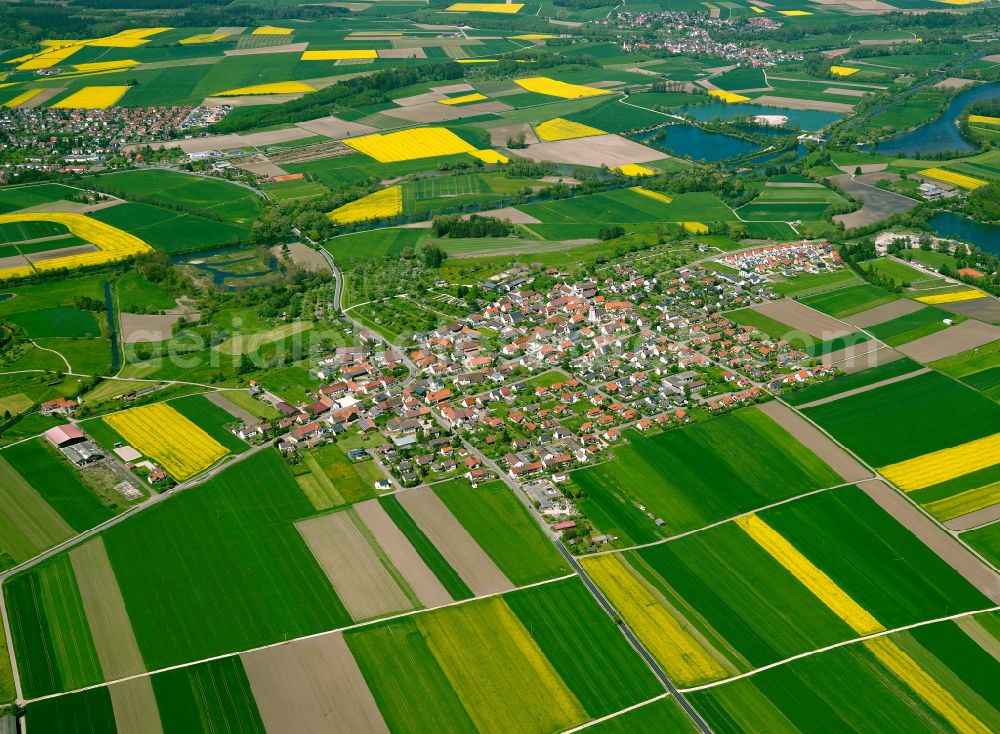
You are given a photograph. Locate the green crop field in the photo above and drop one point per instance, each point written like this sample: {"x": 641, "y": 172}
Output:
{"x": 172, "y": 231}
{"x": 22, "y": 197}
{"x": 664, "y": 715}
{"x": 89, "y": 712}
{"x": 135, "y": 293}
{"x": 897, "y": 271}
{"x": 585, "y": 647}
{"x": 57, "y": 321}
{"x": 51, "y": 636}
{"x": 210, "y": 418}
{"x": 427, "y": 551}
{"x": 699, "y": 474}
{"x": 502, "y": 526}
{"x": 210, "y": 697}
{"x": 852, "y": 381}
{"x": 911, "y": 412}
{"x": 351, "y": 248}
{"x": 847, "y": 301}
{"x": 57, "y": 482}
{"x": 986, "y": 541}
{"x": 229, "y": 544}
{"x": 914, "y": 325}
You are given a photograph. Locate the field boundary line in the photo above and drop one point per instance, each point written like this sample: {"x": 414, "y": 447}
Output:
{"x": 844, "y": 643}
{"x": 716, "y": 524}
{"x": 616, "y": 714}
{"x": 314, "y": 635}
{"x": 865, "y": 388}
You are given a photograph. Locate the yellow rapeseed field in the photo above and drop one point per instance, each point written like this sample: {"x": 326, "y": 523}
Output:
{"x": 489, "y": 156}
{"x": 507, "y": 8}
{"x": 843, "y": 70}
{"x": 203, "y": 38}
{"x": 112, "y": 243}
{"x": 965, "y": 502}
{"x": 533, "y": 36}
{"x": 695, "y": 227}
{"x": 955, "y": 297}
{"x": 476, "y": 61}
{"x": 685, "y": 660}
{"x": 464, "y": 99}
{"x": 652, "y": 194}
{"x": 940, "y": 466}
{"x": 385, "y": 203}
{"x": 556, "y": 88}
{"x": 727, "y": 96}
{"x": 960, "y": 2}
{"x": 106, "y": 65}
{"x": 408, "y": 145}
{"x": 755, "y": 9}
{"x": 937, "y": 697}
{"x": 958, "y": 179}
{"x": 809, "y": 575}
{"x": 48, "y": 59}
{"x": 634, "y": 169}
{"x": 270, "y": 30}
{"x": 794, "y": 13}
{"x": 92, "y": 98}
{"x": 275, "y": 88}
{"x": 338, "y": 55}
{"x": 562, "y": 129}
{"x": 22, "y": 98}
{"x": 985, "y": 119}
{"x": 161, "y": 433}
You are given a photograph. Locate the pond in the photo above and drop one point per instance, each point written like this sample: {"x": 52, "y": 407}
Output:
{"x": 940, "y": 135}
{"x": 809, "y": 120}
{"x": 227, "y": 265}
{"x": 695, "y": 143}
{"x": 984, "y": 236}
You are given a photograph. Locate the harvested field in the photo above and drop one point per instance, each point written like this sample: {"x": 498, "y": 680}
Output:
{"x": 134, "y": 704}
{"x": 248, "y": 100}
{"x": 224, "y": 142}
{"x": 500, "y": 135}
{"x": 966, "y": 335}
{"x": 434, "y": 112}
{"x": 509, "y": 213}
{"x": 402, "y": 554}
{"x": 803, "y": 318}
{"x": 609, "y": 150}
{"x": 262, "y": 168}
{"x": 816, "y": 441}
{"x": 220, "y": 399}
{"x": 845, "y": 92}
{"x": 357, "y": 571}
{"x": 793, "y": 103}
{"x": 878, "y": 204}
{"x": 471, "y": 563}
{"x": 954, "y": 82}
{"x": 983, "y": 309}
{"x": 285, "y": 48}
{"x": 862, "y": 356}
{"x": 304, "y": 256}
{"x": 883, "y": 313}
{"x": 298, "y": 685}
{"x": 402, "y": 53}
{"x": 976, "y": 519}
{"x": 944, "y": 545}
{"x": 107, "y": 617}
{"x": 333, "y": 127}
{"x": 136, "y": 328}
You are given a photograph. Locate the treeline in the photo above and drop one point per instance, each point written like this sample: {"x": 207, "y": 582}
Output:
{"x": 359, "y": 91}
{"x": 474, "y": 226}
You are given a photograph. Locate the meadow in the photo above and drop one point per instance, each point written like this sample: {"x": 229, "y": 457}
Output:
{"x": 911, "y": 412}
{"x": 914, "y": 325}
{"x": 847, "y": 301}
{"x": 717, "y": 468}
{"x": 843, "y": 383}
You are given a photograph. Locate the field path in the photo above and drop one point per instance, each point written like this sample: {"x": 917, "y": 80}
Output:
{"x": 865, "y": 388}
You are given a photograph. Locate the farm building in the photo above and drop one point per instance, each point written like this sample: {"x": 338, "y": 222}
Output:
{"x": 66, "y": 435}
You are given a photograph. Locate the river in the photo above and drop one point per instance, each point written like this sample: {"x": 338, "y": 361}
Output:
{"x": 940, "y": 135}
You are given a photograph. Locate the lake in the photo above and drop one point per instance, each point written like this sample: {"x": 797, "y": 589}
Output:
{"x": 695, "y": 143}
{"x": 809, "y": 120}
{"x": 984, "y": 236}
{"x": 940, "y": 135}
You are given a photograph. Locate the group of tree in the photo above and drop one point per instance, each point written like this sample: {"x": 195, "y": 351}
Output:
{"x": 474, "y": 226}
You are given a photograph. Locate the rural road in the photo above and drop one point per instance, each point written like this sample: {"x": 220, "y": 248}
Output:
{"x": 595, "y": 592}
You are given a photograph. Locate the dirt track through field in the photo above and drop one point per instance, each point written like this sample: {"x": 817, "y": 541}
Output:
{"x": 971, "y": 520}
{"x": 814, "y": 440}
{"x": 966, "y": 335}
{"x": 356, "y": 570}
{"x": 470, "y": 561}
{"x": 106, "y": 614}
{"x": 803, "y": 318}
{"x": 883, "y": 313}
{"x": 220, "y": 399}
{"x": 134, "y": 704}
{"x": 862, "y": 356}
{"x": 947, "y": 548}
{"x": 982, "y": 637}
{"x": 312, "y": 686}
{"x": 403, "y": 555}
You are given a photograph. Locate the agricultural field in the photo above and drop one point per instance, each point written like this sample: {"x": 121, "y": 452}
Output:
{"x": 709, "y": 479}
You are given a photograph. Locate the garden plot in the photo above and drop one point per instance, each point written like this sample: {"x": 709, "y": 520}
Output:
{"x": 297, "y": 686}
{"x": 363, "y": 577}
